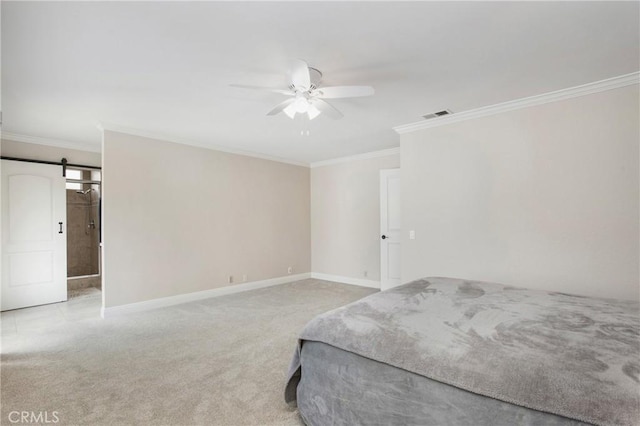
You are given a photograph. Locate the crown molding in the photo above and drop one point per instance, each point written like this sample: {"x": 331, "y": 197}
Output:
{"x": 145, "y": 134}
{"x": 366, "y": 155}
{"x": 559, "y": 95}
{"x": 59, "y": 143}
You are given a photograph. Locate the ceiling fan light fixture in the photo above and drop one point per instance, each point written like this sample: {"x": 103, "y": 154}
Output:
{"x": 301, "y": 105}
{"x": 313, "y": 112}
{"x": 290, "y": 111}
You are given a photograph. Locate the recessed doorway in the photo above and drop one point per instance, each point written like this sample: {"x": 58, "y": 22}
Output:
{"x": 83, "y": 197}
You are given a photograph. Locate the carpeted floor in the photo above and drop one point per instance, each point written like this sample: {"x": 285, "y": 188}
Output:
{"x": 220, "y": 361}
{"x": 83, "y": 292}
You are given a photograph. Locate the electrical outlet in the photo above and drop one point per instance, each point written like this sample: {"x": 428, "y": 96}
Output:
{"x": 244, "y": 278}
{"x": 289, "y": 269}
{"x": 230, "y": 279}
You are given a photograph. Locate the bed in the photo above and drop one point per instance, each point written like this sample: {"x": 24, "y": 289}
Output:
{"x": 441, "y": 351}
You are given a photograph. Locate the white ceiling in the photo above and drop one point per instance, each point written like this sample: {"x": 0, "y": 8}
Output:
{"x": 165, "y": 68}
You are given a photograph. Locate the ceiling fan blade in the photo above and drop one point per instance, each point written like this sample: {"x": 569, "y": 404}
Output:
{"x": 281, "y": 106}
{"x": 268, "y": 89}
{"x": 327, "y": 108}
{"x": 334, "y": 92}
{"x": 300, "y": 74}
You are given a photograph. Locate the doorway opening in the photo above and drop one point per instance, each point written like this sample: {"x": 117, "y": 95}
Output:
{"x": 84, "y": 236}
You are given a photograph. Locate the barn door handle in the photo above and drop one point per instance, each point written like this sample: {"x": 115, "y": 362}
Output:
{"x": 60, "y": 231}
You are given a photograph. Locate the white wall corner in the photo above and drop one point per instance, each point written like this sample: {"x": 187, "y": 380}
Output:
{"x": 559, "y": 95}
{"x": 199, "y": 295}
{"x": 346, "y": 280}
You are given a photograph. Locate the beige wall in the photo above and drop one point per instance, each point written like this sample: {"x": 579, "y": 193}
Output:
{"x": 345, "y": 217}
{"x": 179, "y": 219}
{"x": 49, "y": 153}
{"x": 543, "y": 197}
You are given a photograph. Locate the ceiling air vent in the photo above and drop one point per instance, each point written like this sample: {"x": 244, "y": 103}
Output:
{"x": 437, "y": 114}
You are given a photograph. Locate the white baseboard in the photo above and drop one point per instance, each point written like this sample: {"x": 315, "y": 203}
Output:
{"x": 346, "y": 280}
{"x": 198, "y": 295}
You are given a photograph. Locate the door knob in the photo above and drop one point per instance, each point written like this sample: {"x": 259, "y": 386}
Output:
{"x": 384, "y": 237}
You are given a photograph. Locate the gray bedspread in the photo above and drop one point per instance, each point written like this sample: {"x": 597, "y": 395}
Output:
{"x": 573, "y": 356}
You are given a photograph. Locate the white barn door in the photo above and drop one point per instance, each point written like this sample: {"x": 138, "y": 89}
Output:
{"x": 389, "y": 228}
{"x": 34, "y": 240}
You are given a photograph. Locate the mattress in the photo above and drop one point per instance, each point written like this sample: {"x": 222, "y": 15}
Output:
{"x": 447, "y": 351}
{"x": 341, "y": 388}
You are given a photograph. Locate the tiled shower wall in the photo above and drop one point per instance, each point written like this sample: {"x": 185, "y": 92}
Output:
{"x": 82, "y": 240}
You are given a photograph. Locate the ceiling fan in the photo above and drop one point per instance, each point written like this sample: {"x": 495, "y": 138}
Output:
{"x": 306, "y": 94}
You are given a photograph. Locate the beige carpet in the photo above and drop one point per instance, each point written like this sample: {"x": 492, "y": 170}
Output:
{"x": 220, "y": 361}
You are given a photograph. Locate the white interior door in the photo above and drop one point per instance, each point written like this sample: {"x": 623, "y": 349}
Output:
{"x": 389, "y": 228}
{"x": 34, "y": 244}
